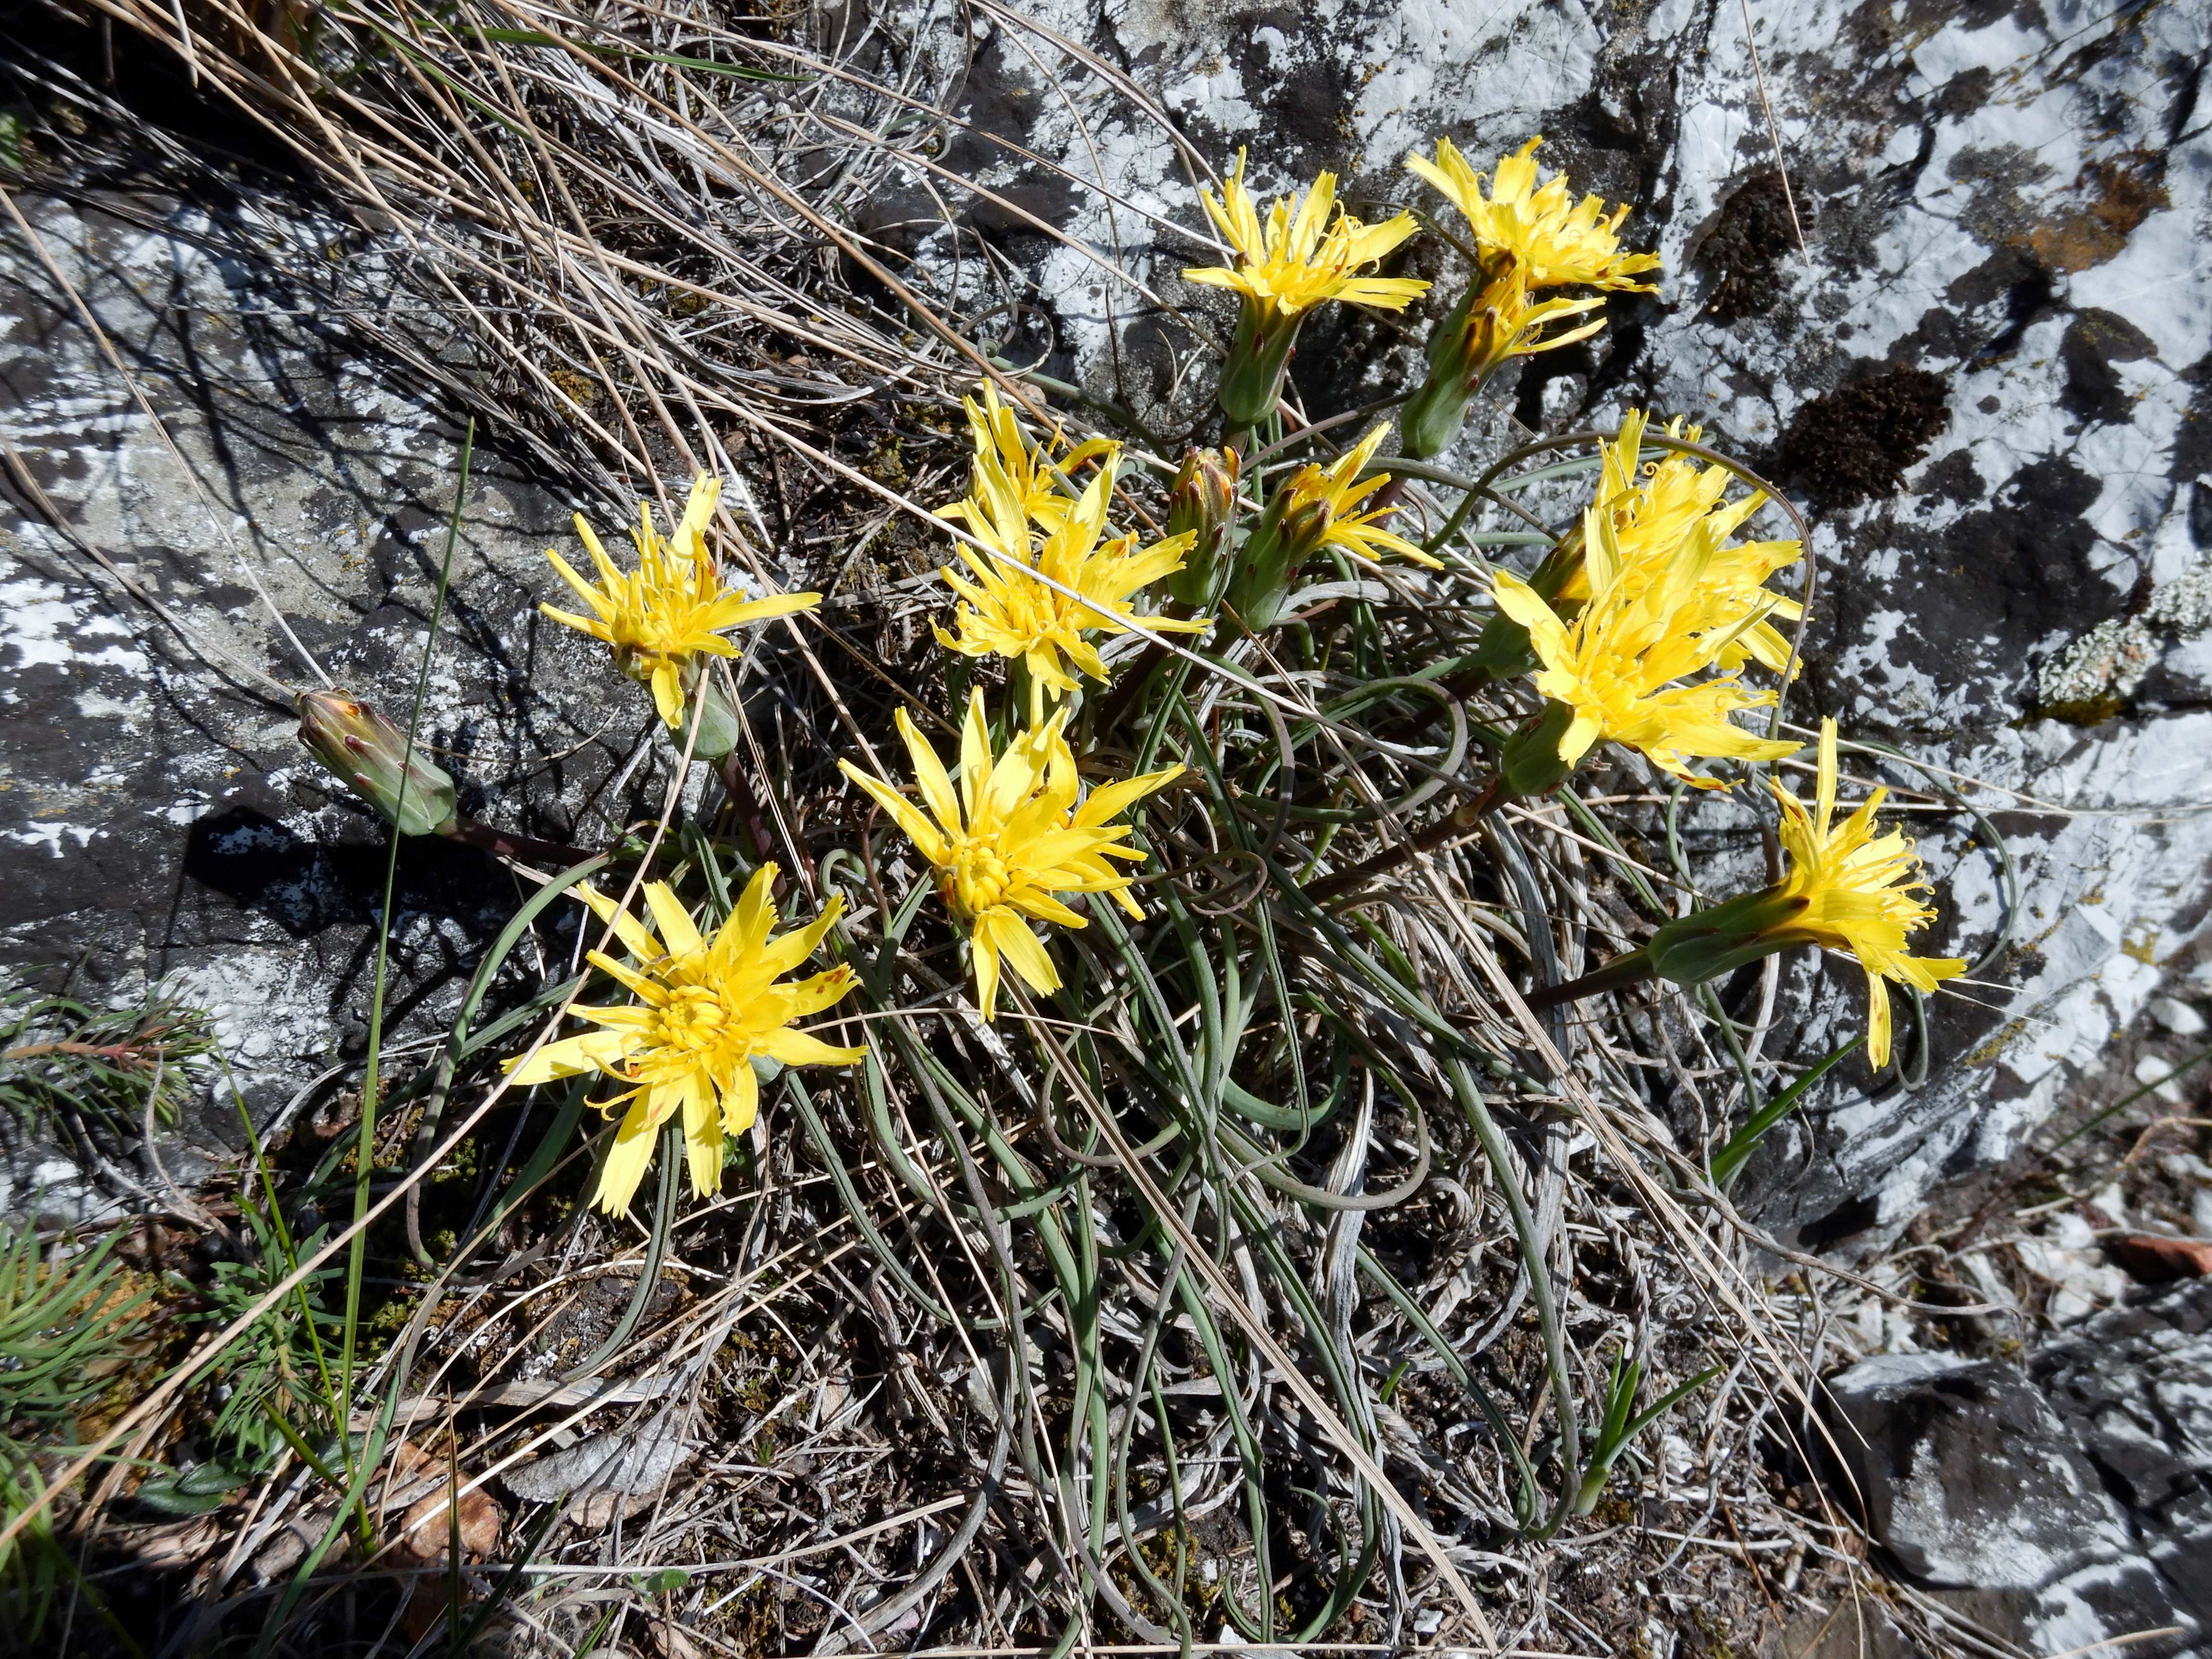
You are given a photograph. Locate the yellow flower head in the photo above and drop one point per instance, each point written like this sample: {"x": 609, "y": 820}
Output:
{"x": 1329, "y": 495}
{"x": 673, "y": 609}
{"x": 1675, "y": 509}
{"x": 704, "y": 1009}
{"x": 1012, "y": 837}
{"x": 1552, "y": 239}
{"x": 1617, "y": 664}
{"x": 1863, "y": 893}
{"x": 1013, "y": 479}
{"x": 1006, "y": 610}
{"x": 1302, "y": 256}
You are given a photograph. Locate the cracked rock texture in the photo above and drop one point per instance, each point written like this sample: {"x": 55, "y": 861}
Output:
{"x": 2066, "y": 1504}
{"x": 1986, "y": 375}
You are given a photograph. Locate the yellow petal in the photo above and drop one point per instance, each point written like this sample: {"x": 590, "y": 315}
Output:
{"x": 1021, "y": 949}
{"x": 799, "y": 1048}
{"x": 668, "y": 692}
{"x": 929, "y": 776}
{"x": 703, "y": 1137}
{"x": 741, "y": 1100}
{"x": 775, "y": 605}
{"x": 754, "y": 914}
{"x": 984, "y": 955}
{"x": 628, "y": 928}
{"x": 1524, "y": 605}
{"x": 670, "y": 916}
{"x": 581, "y": 624}
{"x": 925, "y": 837}
{"x": 594, "y": 1051}
{"x": 627, "y": 1159}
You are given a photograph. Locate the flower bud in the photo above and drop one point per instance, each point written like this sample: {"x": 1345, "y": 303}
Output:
{"x": 1203, "y": 502}
{"x": 368, "y": 754}
{"x": 720, "y": 727}
{"x": 1465, "y": 348}
{"x": 1721, "y": 939}
{"x": 1252, "y": 381}
{"x": 1492, "y": 322}
{"x": 1290, "y": 530}
{"x": 1531, "y": 763}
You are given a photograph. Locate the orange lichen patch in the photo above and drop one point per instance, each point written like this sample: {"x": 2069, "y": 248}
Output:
{"x": 2122, "y": 192}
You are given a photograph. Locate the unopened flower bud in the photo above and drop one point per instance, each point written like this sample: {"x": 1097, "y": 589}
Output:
{"x": 1203, "y": 503}
{"x": 368, "y": 754}
{"x": 1494, "y": 320}
{"x": 1465, "y": 348}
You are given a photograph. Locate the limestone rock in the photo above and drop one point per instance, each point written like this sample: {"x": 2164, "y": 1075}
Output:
{"x": 2062, "y": 1504}
{"x": 1969, "y": 1478}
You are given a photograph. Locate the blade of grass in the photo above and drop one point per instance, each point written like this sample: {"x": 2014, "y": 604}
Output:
{"x": 365, "y": 1143}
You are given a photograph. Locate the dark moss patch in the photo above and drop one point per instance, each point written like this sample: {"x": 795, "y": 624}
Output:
{"x": 1853, "y": 444}
{"x": 1743, "y": 254}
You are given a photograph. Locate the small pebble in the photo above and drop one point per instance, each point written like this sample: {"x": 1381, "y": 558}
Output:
{"x": 2177, "y": 1017}
{"x": 2152, "y": 1069}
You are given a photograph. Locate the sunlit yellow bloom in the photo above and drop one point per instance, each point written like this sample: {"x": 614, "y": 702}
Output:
{"x": 1013, "y": 477}
{"x": 1676, "y": 508}
{"x": 1006, "y": 611}
{"x": 1619, "y": 664}
{"x": 1330, "y": 495}
{"x": 1012, "y": 837}
{"x": 705, "y": 1010}
{"x": 1553, "y": 239}
{"x": 1305, "y": 253}
{"x": 1863, "y": 893}
{"x": 673, "y": 609}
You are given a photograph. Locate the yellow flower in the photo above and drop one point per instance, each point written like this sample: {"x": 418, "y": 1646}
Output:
{"x": 1677, "y": 509}
{"x": 1862, "y": 891}
{"x": 1552, "y": 239}
{"x": 704, "y": 1009}
{"x": 1011, "y": 838}
{"x": 1013, "y": 478}
{"x": 1493, "y": 323}
{"x": 1338, "y": 490}
{"x": 673, "y": 609}
{"x": 1617, "y": 663}
{"x": 1007, "y": 611}
{"x": 1302, "y": 256}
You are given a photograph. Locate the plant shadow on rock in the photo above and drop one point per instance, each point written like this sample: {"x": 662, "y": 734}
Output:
{"x": 306, "y": 887}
